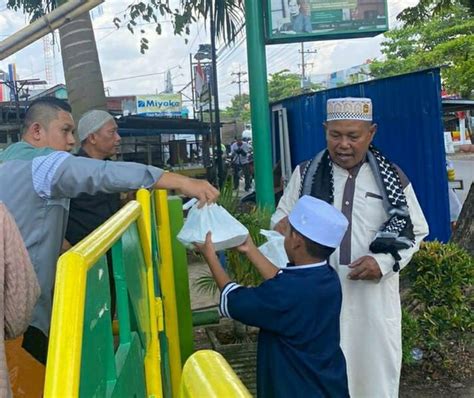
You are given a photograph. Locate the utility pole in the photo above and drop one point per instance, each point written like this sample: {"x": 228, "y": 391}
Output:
{"x": 257, "y": 68}
{"x": 217, "y": 126}
{"x": 16, "y": 86}
{"x": 303, "y": 64}
{"x": 239, "y": 81}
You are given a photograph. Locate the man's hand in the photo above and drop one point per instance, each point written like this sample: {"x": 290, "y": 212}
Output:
{"x": 282, "y": 225}
{"x": 207, "y": 248}
{"x": 365, "y": 268}
{"x": 247, "y": 246}
{"x": 191, "y": 187}
{"x": 201, "y": 190}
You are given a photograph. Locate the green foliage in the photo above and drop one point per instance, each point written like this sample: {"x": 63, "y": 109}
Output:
{"x": 240, "y": 268}
{"x": 239, "y": 109}
{"x": 228, "y": 198}
{"x": 228, "y": 16}
{"x": 441, "y": 278}
{"x": 410, "y": 333}
{"x": 33, "y": 8}
{"x": 447, "y": 39}
{"x": 426, "y": 9}
{"x": 284, "y": 84}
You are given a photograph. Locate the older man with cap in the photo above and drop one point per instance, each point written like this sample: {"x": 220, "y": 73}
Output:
{"x": 386, "y": 227}
{"x": 38, "y": 179}
{"x": 296, "y": 308}
{"x": 98, "y": 134}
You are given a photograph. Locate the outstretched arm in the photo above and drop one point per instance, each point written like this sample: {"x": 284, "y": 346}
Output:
{"x": 263, "y": 265}
{"x": 192, "y": 187}
{"x": 209, "y": 252}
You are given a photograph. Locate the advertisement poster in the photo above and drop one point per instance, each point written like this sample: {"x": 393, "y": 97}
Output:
{"x": 310, "y": 20}
{"x": 160, "y": 105}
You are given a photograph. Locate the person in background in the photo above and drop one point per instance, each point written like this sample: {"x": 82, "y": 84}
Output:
{"x": 38, "y": 179}
{"x": 386, "y": 227}
{"x": 99, "y": 137}
{"x": 240, "y": 153}
{"x": 19, "y": 289}
{"x": 296, "y": 308}
{"x": 455, "y": 206}
{"x": 301, "y": 22}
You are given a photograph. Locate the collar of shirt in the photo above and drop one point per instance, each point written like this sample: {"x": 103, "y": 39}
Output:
{"x": 82, "y": 153}
{"x": 290, "y": 266}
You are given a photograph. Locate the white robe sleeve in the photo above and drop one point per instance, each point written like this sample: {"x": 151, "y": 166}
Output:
{"x": 289, "y": 198}
{"x": 420, "y": 229}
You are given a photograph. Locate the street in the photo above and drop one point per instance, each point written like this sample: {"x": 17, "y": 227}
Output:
{"x": 464, "y": 166}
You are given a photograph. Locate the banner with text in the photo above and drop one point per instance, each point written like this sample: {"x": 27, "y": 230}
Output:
{"x": 310, "y": 20}
{"x": 160, "y": 105}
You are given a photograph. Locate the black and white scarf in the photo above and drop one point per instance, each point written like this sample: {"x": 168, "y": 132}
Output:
{"x": 397, "y": 232}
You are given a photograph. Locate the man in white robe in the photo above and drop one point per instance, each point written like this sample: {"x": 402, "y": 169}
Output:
{"x": 371, "y": 312}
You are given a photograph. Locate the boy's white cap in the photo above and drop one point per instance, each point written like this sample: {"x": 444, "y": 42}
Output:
{"x": 318, "y": 221}
{"x": 349, "y": 108}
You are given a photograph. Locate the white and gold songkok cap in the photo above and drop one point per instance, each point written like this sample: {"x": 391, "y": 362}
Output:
{"x": 349, "y": 108}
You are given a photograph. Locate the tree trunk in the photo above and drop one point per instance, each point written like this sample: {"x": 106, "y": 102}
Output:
{"x": 464, "y": 233}
{"x": 81, "y": 66}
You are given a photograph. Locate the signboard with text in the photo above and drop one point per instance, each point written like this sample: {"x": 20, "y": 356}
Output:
{"x": 290, "y": 21}
{"x": 160, "y": 105}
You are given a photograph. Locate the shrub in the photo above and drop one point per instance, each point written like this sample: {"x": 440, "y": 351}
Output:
{"x": 440, "y": 277}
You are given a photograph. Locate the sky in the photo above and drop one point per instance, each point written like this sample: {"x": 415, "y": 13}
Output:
{"x": 122, "y": 63}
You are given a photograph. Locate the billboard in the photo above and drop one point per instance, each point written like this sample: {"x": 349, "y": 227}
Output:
{"x": 291, "y": 21}
{"x": 160, "y": 105}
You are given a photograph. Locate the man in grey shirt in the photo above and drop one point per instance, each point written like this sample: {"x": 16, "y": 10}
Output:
{"x": 37, "y": 179}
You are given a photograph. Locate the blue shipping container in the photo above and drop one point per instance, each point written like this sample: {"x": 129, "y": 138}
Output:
{"x": 407, "y": 110}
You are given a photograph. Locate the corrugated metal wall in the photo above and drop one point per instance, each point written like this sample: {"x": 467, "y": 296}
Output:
{"x": 407, "y": 109}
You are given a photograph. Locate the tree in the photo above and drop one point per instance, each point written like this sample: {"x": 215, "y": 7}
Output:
{"x": 285, "y": 84}
{"x": 239, "y": 109}
{"x": 228, "y": 16}
{"x": 79, "y": 52}
{"x": 426, "y": 9}
{"x": 446, "y": 39}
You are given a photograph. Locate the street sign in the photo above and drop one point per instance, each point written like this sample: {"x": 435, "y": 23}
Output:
{"x": 161, "y": 105}
{"x": 290, "y": 21}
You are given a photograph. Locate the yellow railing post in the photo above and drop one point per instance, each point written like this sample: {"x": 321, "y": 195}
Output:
{"x": 65, "y": 348}
{"x": 67, "y": 321}
{"x": 168, "y": 288}
{"x": 207, "y": 374}
{"x": 152, "y": 356}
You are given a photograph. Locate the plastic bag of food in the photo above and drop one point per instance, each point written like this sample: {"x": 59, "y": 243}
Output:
{"x": 226, "y": 231}
{"x": 274, "y": 248}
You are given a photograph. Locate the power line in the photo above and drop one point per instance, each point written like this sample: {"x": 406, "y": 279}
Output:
{"x": 137, "y": 76}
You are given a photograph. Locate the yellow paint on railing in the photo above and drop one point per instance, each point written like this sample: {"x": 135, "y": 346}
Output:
{"x": 207, "y": 374}
{"x": 168, "y": 288}
{"x": 65, "y": 341}
{"x": 154, "y": 383}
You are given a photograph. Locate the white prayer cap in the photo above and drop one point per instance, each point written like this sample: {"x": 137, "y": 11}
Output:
{"x": 318, "y": 221}
{"x": 91, "y": 122}
{"x": 349, "y": 108}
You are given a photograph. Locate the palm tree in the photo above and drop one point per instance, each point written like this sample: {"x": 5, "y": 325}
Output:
{"x": 79, "y": 51}
{"x": 81, "y": 66}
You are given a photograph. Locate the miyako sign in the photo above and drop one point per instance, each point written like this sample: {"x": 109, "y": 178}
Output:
{"x": 161, "y": 105}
